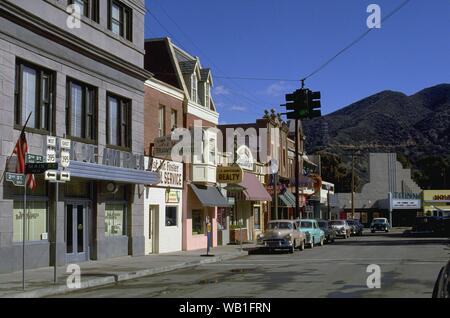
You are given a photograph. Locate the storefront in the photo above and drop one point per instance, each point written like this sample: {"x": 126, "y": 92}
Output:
{"x": 163, "y": 208}
{"x": 436, "y": 202}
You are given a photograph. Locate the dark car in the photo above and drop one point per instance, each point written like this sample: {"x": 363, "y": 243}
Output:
{"x": 431, "y": 226}
{"x": 442, "y": 285}
{"x": 357, "y": 228}
{"x": 380, "y": 224}
{"x": 330, "y": 234}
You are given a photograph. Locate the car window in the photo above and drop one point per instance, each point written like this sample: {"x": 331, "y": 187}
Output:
{"x": 336, "y": 223}
{"x": 306, "y": 224}
{"x": 322, "y": 224}
{"x": 280, "y": 226}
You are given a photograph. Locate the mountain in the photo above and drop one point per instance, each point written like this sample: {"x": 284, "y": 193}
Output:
{"x": 416, "y": 127}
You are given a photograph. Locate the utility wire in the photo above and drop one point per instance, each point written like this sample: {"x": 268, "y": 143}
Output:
{"x": 354, "y": 42}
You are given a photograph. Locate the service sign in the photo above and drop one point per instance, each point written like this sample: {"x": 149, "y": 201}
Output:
{"x": 229, "y": 175}
{"x": 171, "y": 172}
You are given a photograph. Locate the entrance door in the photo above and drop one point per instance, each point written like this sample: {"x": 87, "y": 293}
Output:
{"x": 153, "y": 212}
{"x": 76, "y": 232}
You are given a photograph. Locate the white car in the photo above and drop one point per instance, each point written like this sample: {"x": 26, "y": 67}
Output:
{"x": 341, "y": 228}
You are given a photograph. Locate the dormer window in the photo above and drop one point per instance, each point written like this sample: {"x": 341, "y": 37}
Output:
{"x": 194, "y": 86}
{"x": 207, "y": 95}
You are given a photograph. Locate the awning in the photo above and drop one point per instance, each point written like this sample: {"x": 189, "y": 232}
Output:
{"x": 210, "y": 196}
{"x": 306, "y": 159}
{"x": 253, "y": 189}
{"x": 94, "y": 171}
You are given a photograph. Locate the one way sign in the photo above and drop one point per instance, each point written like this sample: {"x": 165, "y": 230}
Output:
{"x": 51, "y": 175}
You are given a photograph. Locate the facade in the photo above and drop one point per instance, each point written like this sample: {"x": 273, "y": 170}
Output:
{"x": 436, "y": 202}
{"x": 201, "y": 196}
{"x": 387, "y": 175}
{"x": 83, "y": 82}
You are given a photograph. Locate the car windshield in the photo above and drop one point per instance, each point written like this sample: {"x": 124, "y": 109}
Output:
{"x": 323, "y": 224}
{"x": 351, "y": 222}
{"x": 280, "y": 226}
{"x": 306, "y": 224}
{"x": 337, "y": 223}
{"x": 379, "y": 221}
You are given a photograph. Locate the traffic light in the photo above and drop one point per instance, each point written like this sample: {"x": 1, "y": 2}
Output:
{"x": 314, "y": 104}
{"x": 297, "y": 104}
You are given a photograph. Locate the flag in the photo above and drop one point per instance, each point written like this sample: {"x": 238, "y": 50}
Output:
{"x": 21, "y": 150}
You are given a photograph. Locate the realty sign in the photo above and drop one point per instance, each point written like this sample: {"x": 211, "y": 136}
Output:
{"x": 229, "y": 175}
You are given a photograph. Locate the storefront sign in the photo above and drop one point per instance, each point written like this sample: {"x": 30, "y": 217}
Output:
{"x": 441, "y": 197}
{"x": 401, "y": 195}
{"x": 171, "y": 172}
{"x": 229, "y": 175}
{"x": 163, "y": 147}
{"x": 173, "y": 197}
{"x": 406, "y": 204}
{"x": 404, "y": 201}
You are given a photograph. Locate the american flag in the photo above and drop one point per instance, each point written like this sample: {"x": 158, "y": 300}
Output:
{"x": 21, "y": 150}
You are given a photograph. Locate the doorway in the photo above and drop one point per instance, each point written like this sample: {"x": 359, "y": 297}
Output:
{"x": 76, "y": 232}
{"x": 150, "y": 244}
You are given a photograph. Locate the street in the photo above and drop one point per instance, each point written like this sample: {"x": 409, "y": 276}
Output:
{"x": 409, "y": 268}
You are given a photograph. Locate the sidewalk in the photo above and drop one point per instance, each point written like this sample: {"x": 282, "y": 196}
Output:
{"x": 39, "y": 282}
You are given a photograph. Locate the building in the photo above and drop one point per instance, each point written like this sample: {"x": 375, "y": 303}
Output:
{"x": 83, "y": 80}
{"x": 436, "y": 202}
{"x": 184, "y": 74}
{"x": 384, "y": 196}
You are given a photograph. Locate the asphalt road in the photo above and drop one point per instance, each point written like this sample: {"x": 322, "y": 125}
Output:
{"x": 409, "y": 268}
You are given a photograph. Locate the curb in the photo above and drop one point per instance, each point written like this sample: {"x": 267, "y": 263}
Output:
{"x": 116, "y": 278}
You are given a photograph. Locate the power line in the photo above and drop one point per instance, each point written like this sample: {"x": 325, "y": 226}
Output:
{"x": 354, "y": 42}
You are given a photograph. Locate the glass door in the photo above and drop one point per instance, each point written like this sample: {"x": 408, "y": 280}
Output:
{"x": 76, "y": 232}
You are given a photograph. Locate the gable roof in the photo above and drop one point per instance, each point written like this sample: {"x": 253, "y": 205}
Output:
{"x": 188, "y": 67}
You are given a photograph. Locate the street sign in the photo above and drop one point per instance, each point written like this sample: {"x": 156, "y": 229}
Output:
{"x": 16, "y": 178}
{"x": 51, "y": 141}
{"x": 51, "y": 156}
{"x": 65, "y": 159}
{"x": 30, "y": 158}
{"x": 39, "y": 168}
{"x": 51, "y": 175}
{"x": 65, "y": 144}
{"x": 64, "y": 176}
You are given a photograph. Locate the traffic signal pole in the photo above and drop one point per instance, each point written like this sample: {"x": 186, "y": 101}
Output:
{"x": 297, "y": 172}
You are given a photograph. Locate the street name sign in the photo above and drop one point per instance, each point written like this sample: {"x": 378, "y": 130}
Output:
{"x": 16, "y": 178}
{"x": 39, "y": 168}
{"x": 30, "y": 158}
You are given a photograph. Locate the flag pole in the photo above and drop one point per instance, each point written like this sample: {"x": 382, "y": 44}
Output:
{"x": 12, "y": 152}
{"x": 23, "y": 230}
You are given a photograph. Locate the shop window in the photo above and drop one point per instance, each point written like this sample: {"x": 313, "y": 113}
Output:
{"x": 171, "y": 216}
{"x": 36, "y": 221}
{"x": 198, "y": 222}
{"x": 115, "y": 220}
{"x": 257, "y": 217}
{"x": 34, "y": 93}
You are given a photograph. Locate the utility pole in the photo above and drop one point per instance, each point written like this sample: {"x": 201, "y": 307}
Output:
{"x": 353, "y": 184}
{"x": 297, "y": 172}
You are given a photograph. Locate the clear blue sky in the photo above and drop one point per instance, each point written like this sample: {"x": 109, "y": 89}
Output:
{"x": 287, "y": 39}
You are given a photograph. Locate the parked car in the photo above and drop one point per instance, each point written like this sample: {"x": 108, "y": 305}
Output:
{"x": 357, "y": 228}
{"x": 442, "y": 285}
{"x": 341, "y": 228}
{"x": 311, "y": 227}
{"x": 380, "y": 224}
{"x": 282, "y": 235}
{"x": 431, "y": 226}
{"x": 330, "y": 234}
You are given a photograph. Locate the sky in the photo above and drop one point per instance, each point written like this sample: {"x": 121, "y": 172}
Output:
{"x": 285, "y": 40}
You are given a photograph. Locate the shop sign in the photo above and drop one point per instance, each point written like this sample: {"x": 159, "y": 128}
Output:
{"x": 163, "y": 147}
{"x": 173, "y": 197}
{"x": 171, "y": 172}
{"x": 406, "y": 204}
{"x": 229, "y": 175}
{"x": 402, "y": 196}
{"x": 441, "y": 197}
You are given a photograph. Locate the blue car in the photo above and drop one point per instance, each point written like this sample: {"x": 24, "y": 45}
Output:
{"x": 314, "y": 235}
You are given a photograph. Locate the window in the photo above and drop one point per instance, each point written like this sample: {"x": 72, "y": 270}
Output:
{"x": 36, "y": 221}
{"x": 207, "y": 95}
{"x": 173, "y": 120}
{"x": 212, "y": 151}
{"x": 115, "y": 220}
{"x": 256, "y": 215}
{"x": 194, "y": 88}
{"x": 171, "y": 216}
{"x": 88, "y": 8}
{"x": 118, "y": 121}
{"x": 33, "y": 95}
{"x": 198, "y": 224}
{"x": 162, "y": 121}
{"x": 81, "y": 111}
{"x": 120, "y": 20}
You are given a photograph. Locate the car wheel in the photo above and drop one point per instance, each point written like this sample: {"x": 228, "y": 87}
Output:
{"x": 321, "y": 241}
{"x": 302, "y": 246}
{"x": 291, "y": 250}
{"x": 372, "y": 231}
{"x": 312, "y": 244}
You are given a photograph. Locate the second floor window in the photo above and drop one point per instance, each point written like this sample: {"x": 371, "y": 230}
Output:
{"x": 34, "y": 93}
{"x": 118, "y": 121}
{"x": 207, "y": 95}
{"x": 173, "y": 120}
{"x": 88, "y": 8}
{"x": 81, "y": 111}
{"x": 162, "y": 121}
{"x": 194, "y": 88}
{"x": 120, "y": 20}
